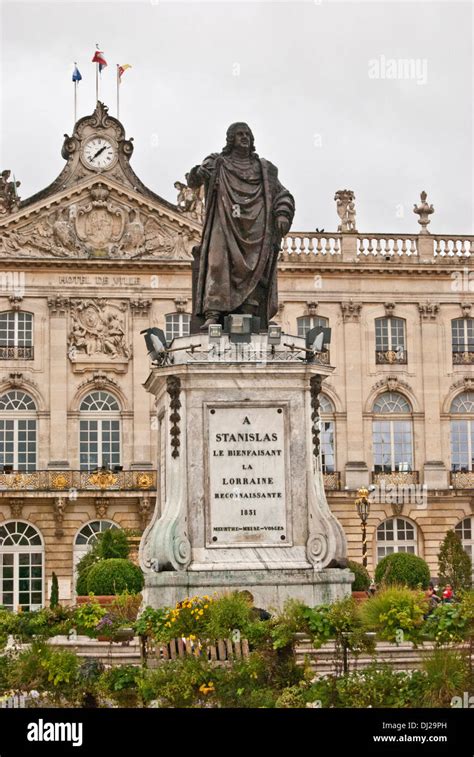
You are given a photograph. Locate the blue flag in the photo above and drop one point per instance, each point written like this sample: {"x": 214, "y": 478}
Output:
{"x": 76, "y": 74}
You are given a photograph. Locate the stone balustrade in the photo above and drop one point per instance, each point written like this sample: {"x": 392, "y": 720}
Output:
{"x": 304, "y": 247}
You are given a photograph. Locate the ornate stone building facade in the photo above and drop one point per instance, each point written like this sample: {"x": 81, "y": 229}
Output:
{"x": 96, "y": 257}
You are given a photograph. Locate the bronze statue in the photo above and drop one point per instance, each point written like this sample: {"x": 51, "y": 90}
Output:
{"x": 248, "y": 212}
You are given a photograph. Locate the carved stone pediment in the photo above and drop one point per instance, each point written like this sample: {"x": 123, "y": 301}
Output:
{"x": 99, "y": 221}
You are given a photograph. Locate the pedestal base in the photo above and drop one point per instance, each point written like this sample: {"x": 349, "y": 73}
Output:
{"x": 270, "y": 589}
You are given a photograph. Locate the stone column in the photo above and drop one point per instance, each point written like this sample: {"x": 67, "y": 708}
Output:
{"x": 141, "y": 409}
{"x": 357, "y": 473}
{"x": 435, "y": 473}
{"x": 58, "y": 379}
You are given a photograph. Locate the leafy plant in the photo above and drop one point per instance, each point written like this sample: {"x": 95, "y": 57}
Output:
{"x": 455, "y": 565}
{"x": 113, "y": 576}
{"x": 226, "y": 614}
{"x": 113, "y": 543}
{"x": 404, "y": 569}
{"x": 179, "y": 683}
{"x": 362, "y": 578}
{"x": 447, "y": 623}
{"x": 395, "y": 613}
{"x": 87, "y": 616}
{"x": 54, "y": 598}
{"x": 151, "y": 622}
{"x": 121, "y": 683}
{"x": 292, "y": 619}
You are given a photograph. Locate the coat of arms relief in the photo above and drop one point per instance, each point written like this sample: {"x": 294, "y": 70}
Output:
{"x": 98, "y": 331}
{"x": 99, "y": 226}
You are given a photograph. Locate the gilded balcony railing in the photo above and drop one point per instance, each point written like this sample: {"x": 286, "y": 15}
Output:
{"x": 65, "y": 480}
{"x": 332, "y": 481}
{"x": 463, "y": 355}
{"x": 391, "y": 357}
{"x": 462, "y": 479}
{"x": 396, "y": 478}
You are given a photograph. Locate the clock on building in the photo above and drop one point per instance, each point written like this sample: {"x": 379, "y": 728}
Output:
{"x": 99, "y": 153}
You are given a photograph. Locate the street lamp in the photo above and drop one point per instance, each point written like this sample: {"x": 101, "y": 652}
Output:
{"x": 363, "y": 508}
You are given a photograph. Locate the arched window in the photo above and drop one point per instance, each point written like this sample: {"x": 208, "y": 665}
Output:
{"x": 307, "y": 322}
{"x": 390, "y": 342}
{"x": 18, "y": 431}
{"x": 462, "y": 433}
{"x": 86, "y": 537}
{"x": 16, "y": 335}
{"x": 396, "y": 535}
{"x": 392, "y": 435}
{"x": 177, "y": 324}
{"x": 99, "y": 431}
{"x": 462, "y": 333}
{"x": 465, "y": 530}
{"x": 327, "y": 434}
{"x": 21, "y": 566}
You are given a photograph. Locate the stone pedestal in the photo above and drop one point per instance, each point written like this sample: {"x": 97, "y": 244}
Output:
{"x": 241, "y": 502}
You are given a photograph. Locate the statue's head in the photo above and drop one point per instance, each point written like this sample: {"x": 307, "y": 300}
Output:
{"x": 239, "y": 135}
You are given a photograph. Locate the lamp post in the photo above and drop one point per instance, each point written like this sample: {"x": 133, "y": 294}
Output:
{"x": 363, "y": 508}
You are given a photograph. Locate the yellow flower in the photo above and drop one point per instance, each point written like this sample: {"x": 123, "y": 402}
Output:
{"x": 173, "y": 620}
{"x": 201, "y": 612}
{"x": 206, "y": 606}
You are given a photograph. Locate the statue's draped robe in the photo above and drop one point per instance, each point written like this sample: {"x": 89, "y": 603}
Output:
{"x": 240, "y": 244}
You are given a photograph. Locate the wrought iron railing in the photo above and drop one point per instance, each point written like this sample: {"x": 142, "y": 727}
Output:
{"x": 462, "y": 479}
{"x": 397, "y": 478}
{"x": 16, "y": 353}
{"x": 332, "y": 481}
{"x": 391, "y": 357}
{"x": 65, "y": 480}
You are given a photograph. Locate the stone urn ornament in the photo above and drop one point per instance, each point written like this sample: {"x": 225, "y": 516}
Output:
{"x": 424, "y": 211}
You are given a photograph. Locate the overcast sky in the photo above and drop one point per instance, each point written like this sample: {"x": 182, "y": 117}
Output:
{"x": 313, "y": 80}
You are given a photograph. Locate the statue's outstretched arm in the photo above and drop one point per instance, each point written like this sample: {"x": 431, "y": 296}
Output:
{"x": 201, "y": 174}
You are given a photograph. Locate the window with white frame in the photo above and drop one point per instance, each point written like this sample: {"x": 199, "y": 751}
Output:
{"x": 465, "y": 530}
{"x": 177, "y": 324}
{"x": 396, "y": 535}
{"x": 391, "y": 435}
{"x": 462, "y": 433}
{"x": 99, "y": 431}
{"x": 18, "y": 443}
{"x": 390, "y": 342}
{"x": 21, "y": 566}
{"x": 462, "y": 334}
{"x": 16, "y": 335}
{"x": 327, "y": 434}
{"x": 308, "y": 322}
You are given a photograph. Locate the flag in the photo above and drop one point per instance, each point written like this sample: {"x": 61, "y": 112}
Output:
{"x": 76, "y": 74}
{"x": 122, "y": 69}
{"x": 99, "y": 58}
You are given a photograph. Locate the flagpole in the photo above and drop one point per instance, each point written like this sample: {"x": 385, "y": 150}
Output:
{"x": 118, "y": 96}
{"x": 75, "y": 101}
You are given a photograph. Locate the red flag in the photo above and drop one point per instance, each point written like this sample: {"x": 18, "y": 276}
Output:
{"x": 99, "y": 58}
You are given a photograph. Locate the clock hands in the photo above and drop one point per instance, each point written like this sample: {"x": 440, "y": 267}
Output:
{"x": 98, "y": 152}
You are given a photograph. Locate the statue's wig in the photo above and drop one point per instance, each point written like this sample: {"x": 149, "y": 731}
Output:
{"x": 230, "y": 137}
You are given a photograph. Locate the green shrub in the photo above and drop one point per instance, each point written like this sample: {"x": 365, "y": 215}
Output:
{"x": 404, "y": 569}
{"x": 395, "y": 614}
{"x": 87, "y": 616}
{"x": 114, "y": 576}
{"x": 84, "y": 565}
{"x": 151, "y": 622}
{"x": 455, "y": 565}
{"x": 179, "y": 683}
{"x": 447, "y": 675}
{"x": 120, "y": 683}
{"x": 54, "y": 598}
{"x": 292, "y": 619}
{"x": 228, "y": 613}
{"x": 362, "y": 579}
{"x": 113, "y": 543}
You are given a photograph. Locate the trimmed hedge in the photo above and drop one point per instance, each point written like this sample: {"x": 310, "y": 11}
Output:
{"x": 403, "y": 568}
{"x": 362, "y": 578}
{"x": 114, "y": 576}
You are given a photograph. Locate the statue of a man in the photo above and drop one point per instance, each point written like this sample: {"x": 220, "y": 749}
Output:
{"x": 248, "y": 212}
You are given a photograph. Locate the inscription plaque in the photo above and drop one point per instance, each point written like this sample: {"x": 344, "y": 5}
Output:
{"x": 247, "y": 476}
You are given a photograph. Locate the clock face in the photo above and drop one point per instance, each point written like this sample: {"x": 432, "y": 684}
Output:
{"x": 99, "y": 152}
